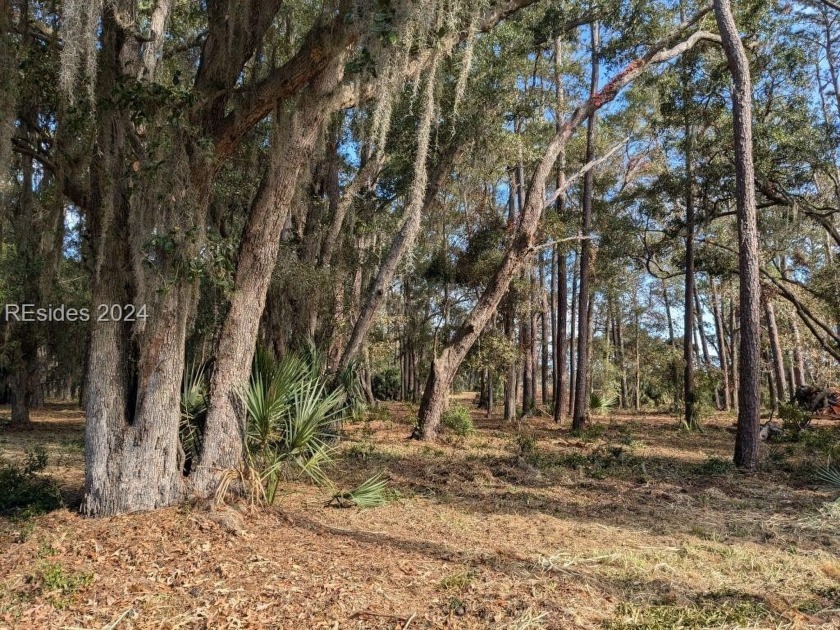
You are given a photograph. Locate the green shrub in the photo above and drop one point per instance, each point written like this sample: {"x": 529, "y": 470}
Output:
{"x": 794, "y": 418}
{"x": 348, "y": 381}
{"x": 291, "y": 417}
{"x": 526, "y": 444}
{"x": 823, "y": 441}
{"x": 602, "y": 404}
{"x": 386, "y": 384}
{"x": 23, "y": 490}
{"x": 293, "y": 413}
{"x": 458, "y": 420}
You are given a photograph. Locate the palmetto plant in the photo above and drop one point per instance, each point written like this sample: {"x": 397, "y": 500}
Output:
{"x": 602, "y": 403}
{"x": 193, "y": 411}
{"x": 369, "y": 493}
{"x": 349, "y": 381}
{"x": 830, "y": 476}
{"x": 291, "y": 415}
{"x": 293, "y": 412}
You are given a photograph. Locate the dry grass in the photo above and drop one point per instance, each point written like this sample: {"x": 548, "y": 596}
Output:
{"x": 636, "y": 525}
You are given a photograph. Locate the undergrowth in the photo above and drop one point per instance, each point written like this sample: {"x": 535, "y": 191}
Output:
{"x": 24, "y": 490}
{"x": 713, "y": 610}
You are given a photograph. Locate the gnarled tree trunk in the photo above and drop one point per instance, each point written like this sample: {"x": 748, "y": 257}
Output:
{"x": 300, "y": 127}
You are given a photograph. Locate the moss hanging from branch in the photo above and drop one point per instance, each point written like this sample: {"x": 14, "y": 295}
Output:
{"x": 466, "y": 66}
{"x": 80, "y": 21}
{"x": 8, "y": 65}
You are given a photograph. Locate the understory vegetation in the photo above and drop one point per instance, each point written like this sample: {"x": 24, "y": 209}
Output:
{"x": 636, "y": 523}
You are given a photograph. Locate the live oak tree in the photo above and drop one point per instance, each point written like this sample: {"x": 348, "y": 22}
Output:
{"x": 170, "y": 96}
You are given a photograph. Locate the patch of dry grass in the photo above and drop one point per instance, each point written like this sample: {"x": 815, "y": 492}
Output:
{"x": 635, "y": 525}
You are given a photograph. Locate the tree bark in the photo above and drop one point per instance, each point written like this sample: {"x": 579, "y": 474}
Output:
{"x": 723, "y": 352}
{"x": 690, "y": 419}
{"x": 667, "y": 301}
{"x": 510, "y": 377}
{"x": 572, "y": 335}
{"x": 798, "y": 362}
{"x": 300, "y": 127}
{"x": 544, "y": 311}
{"x": 777, "y": 358}
{"x": 622, "y": 365}
{"x": 420, "y": 197}
{"x": 581, "y": 409}
{"x": 134, "y": 367}
{"x": 749, "y": 399}
{"x": 734, "y": 342}
{"x": 560, "y": 339}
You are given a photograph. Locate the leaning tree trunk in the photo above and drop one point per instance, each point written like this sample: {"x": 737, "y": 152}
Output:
{"x": 420, "y": 197}
{"x": 522, "y": 246}
{"x": 776, "y": 356}
{"x": 749, "y": 398}
{"x": 259, "y": 246}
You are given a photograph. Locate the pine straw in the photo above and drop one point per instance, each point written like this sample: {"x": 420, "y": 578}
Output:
{"x": 480, "y": 537}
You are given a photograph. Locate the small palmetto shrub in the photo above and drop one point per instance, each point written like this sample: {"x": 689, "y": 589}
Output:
{"x": 829, "y": 476}
{"x": 602, "y": 404}
{"x": 349, "y": 381}
{"x": 292, "y": 418}
{"x": 369, "y": 493}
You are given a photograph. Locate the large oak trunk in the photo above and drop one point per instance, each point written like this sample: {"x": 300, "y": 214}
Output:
{"x": 260, "y": 243}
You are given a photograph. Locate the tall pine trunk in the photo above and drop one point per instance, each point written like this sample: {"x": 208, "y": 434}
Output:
{"x": 561, "y": 271}
{"x": 690, "y": 419}
{"x": 581, "y": 408}
{"x": 749, "y": 399}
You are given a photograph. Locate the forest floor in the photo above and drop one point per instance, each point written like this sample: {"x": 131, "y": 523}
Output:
{"x": 635, "y": 524}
